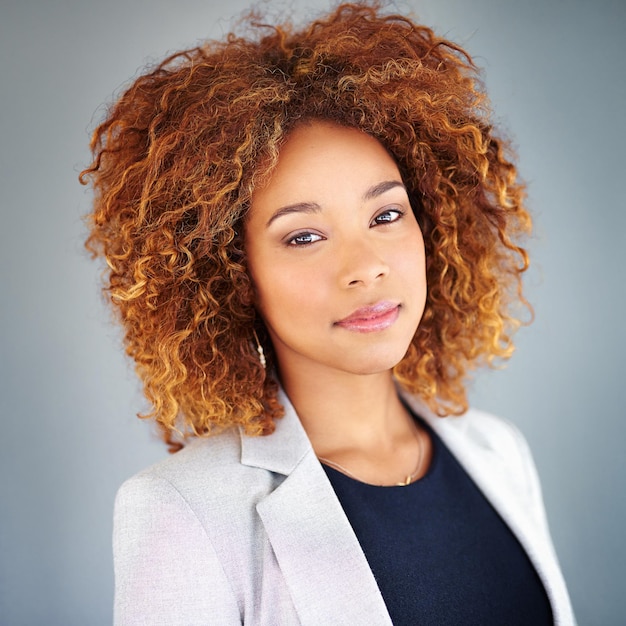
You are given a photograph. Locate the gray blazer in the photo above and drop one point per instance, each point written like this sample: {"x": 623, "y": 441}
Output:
{"x": 240, "y": 530}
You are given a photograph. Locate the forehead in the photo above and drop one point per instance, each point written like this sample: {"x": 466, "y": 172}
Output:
{"x": 321, "y": 160}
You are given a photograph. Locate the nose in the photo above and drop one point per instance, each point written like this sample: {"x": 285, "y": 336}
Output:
{"x": 361, "y": 263}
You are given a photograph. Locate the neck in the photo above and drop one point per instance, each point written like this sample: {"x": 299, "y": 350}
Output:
{"x": 342, "y": 411}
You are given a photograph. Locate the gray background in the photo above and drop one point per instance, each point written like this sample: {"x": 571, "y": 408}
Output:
{"x": 557, "y": 76}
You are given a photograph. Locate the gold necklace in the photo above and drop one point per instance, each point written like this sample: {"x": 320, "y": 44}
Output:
{"x": 407, "y": 481}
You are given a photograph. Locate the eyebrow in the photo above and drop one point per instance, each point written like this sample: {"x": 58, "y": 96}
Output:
{"x": 381, "y": 188}
{"x": 299, "y": 207}
{"x": 312, "y": 207}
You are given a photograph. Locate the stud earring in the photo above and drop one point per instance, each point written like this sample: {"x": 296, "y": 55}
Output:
{"x": 259, "y": 349}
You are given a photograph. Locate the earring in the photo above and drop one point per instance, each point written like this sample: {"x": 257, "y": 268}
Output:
{"x": 259, "y": 349}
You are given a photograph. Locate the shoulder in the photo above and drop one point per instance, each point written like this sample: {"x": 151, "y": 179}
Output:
{"x": 200, "y": 452}
{"x": 485, "y": 431}
{"x": 169, "y": 488}
{"x": 485, "y": 444}
{"x": 198, "y": 462}
{"x": 499, "y": 439}
{"x": 207, "y": 483}
{"x": 491, "y": 441}
{"x": 164, "y": 492}
{"x": 475, "y": 429}
{"x": 207, "y": 477}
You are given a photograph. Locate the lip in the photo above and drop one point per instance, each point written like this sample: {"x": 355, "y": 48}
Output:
{"x": 370, "y": 319}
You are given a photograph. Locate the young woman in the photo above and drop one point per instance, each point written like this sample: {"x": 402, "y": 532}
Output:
{"x": 312, "y": 237}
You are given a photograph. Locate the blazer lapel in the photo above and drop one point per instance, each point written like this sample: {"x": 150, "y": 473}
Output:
{"x": 323, "y": 565}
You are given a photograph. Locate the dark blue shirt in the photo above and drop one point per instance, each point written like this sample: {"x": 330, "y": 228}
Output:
{"x": 439, "y": 551}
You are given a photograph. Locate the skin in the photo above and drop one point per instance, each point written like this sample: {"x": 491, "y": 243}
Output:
{"x": 337, "y": 261}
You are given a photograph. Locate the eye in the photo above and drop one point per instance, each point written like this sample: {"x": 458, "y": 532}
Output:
{"x": 387, "y": 216}
{"x": 303, "y": 239}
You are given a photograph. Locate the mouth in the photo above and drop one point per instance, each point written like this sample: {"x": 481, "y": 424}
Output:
{"x": 369, "y": 319}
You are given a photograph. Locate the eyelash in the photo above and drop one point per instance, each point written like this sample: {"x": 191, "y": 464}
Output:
{"x": 292, "y": 241}
{"x": 399, "y": 215}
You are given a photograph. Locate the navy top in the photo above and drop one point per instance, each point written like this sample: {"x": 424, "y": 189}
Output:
{"x": 439, "y": 551}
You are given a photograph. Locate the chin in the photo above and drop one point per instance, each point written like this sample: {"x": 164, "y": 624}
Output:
{"x": 375, "y": 363}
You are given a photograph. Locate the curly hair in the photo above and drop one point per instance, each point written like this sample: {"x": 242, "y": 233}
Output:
{"x": 181, "y": 151}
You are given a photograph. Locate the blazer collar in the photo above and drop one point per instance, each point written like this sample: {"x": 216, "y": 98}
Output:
{"x": 283, "y": 449}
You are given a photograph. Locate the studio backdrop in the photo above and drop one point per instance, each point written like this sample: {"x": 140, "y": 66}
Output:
{"x": 556, "y": 73}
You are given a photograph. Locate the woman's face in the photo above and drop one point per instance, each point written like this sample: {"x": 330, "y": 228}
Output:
{"x": 335, "y": 254}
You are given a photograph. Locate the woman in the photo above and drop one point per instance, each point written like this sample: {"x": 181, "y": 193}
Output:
{"x": 312, "y": 238}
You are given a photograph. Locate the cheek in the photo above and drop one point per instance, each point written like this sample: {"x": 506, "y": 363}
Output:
{"x": 288, "y": 293}
{"x": 410, "y": 256}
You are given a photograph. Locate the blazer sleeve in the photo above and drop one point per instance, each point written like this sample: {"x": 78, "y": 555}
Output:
{"x": 531, "y": 478}
{"x": 555, "y": 585}
{"x": 166, "y": 569}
